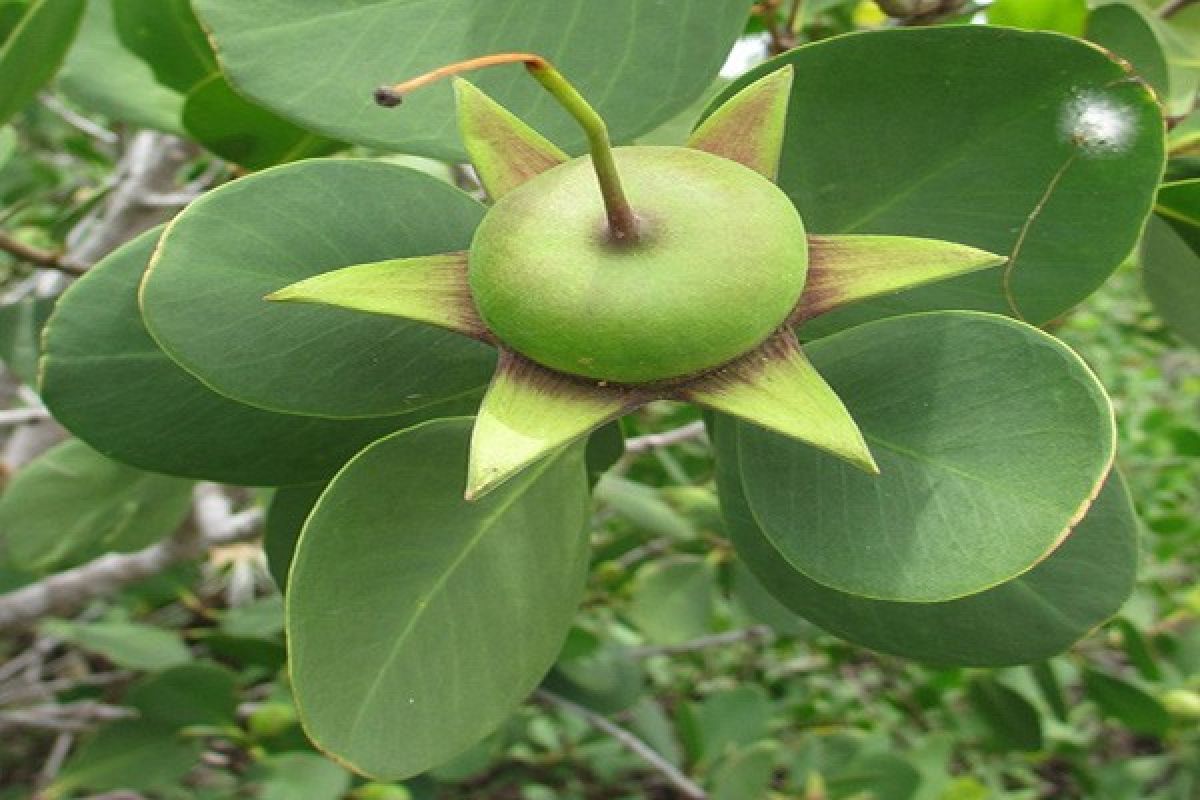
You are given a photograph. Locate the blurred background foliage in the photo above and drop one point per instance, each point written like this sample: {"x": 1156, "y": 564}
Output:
{"x": 175, "y": 687}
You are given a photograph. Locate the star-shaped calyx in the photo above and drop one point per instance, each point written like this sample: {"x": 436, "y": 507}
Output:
{"x": 679, "y": 279}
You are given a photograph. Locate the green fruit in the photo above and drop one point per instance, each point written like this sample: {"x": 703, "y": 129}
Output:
{"x": 719, "y": 264}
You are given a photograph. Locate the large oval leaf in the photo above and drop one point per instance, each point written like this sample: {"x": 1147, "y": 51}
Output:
{"x": 1032, "y": 145}
{"x": 1028, "y": 619}
{"x": 35, "y": 49}
{"x": 71, "y": 504}
{"x": 418, "y": 621}
{"x": 106, "y": 380}
{"x": 1170, "y": 264}
{"x": 101, "y": 75}
{"x": 638, "y": 62}
{"x": 992, "y": 438}
{"x": 202, "y": 298}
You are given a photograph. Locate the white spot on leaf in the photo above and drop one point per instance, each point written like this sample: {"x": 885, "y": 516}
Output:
{"x": 1098, "y": 124}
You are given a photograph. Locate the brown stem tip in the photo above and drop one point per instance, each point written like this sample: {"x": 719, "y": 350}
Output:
{"x": 388, "y": 97}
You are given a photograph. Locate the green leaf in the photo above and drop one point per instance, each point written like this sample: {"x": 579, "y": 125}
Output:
{"x": 21, "y": 326}
{"x": 107, "y": 381}
{"x": 403, "y": 598}
{"x": 673, "y": 600}
{"x": 747, "y": 775}
{"x": 166, "y": 35}
{"x": 1123, "y": 29}
{"x": 289, "y": 509}
{"x": 968, "y": 416}
{"x": 35, "y": 50}
{"x": 8, "y": 144}
{"x": 625, "y": 56}
{"x": 1064, "y": 16}
{"x": 748, "y": 127}
{"x": 1131, "y": 706}
{"x": 244, "y": 133}
{"x": 880, "y": 776}
{"x": 129, "y": 645}
{"x": 1035, "y": 616}
{"x": 1051, "y": 162}
{"x": 1013, "y": 721}
{"x": 504, "y": 150}
{"x": 300, "y": 776}
{"x": 594, "y": 673}
{"x": 101, "y": 75}
{"x": 191, "y": 694}
{"x": 732, "y": 719}
{"x": 130, "y": 755}
{"x": 1170, "y": 264}
{"x": 202, "y": 298}
{"x": 72, "y": 504}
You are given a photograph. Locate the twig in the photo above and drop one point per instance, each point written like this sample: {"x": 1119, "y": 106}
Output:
{"x": 206, "y": 528}
{"x": 1173, "y": 7}
{"x": 72, "y": 717}
{"x": 652, "y": 757}
{"x": 47, "y": 259}
{"x": 652, "y": 441}
{"x": 77, "y": 121}
{"x": 22, "y": 416}
{"x": 54, "y": 761}
{"x": 752, "y": 634}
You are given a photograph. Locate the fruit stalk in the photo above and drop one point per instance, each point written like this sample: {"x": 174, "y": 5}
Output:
{"x": 622, "y": 222}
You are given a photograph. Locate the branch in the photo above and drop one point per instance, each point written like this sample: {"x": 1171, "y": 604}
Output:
{"x": 752, "y": 634}
{"x": 210, "y": 525}
{"x": 652, "y": 757}
{"x": 1173, "y": 7}
{"x": 47, "y": 259}
{"x": 652, "y": 441}
{"x": 22, "y": 416}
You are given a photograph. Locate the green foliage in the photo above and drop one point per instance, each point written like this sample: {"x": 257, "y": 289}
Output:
{"x": 768, "y": 621}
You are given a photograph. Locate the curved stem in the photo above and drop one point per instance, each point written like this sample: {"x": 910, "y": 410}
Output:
{"x": 622, "y": 222}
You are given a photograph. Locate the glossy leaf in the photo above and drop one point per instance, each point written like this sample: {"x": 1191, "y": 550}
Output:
{"x": 403, "y": 596}
{"x": 504, "y": 150}
{"x": 624, "y": 56}
{"x": 1051, "y": 162}
{"x": 431, "y": 289}
{"x": 1013, "y": 721}
{"x": 35, "y": 49}
{"x": 129, "y": 645}
{"x": 748, "y": 127}
{"x": 21, "y": 325}
{"x": 166, "y": 35}
{"x": 190, "y": 694}
{"x": 239, "y": 131}
{"x": 1170, "y": 263}
{"x": 1041, "y": 613}
{"x": 530, "y": 412}
{"x": 107, "y": 381}
{"x": 848, "y": 269}
{"x": 129, "y": 755}
{"x": 202, "y": 298}
{"x": 72, "y": 504}
{"x": 674, "y": 600}
{"x": 101, "y": 75}
{"x": 1064, "y": 16}
{"x": 777, "y": 388}
{"x": 1132, "y": 707}
{"x": 1125, "y": 31}
{"x": 289, "y": 508}
{"x": 967, "y": 415}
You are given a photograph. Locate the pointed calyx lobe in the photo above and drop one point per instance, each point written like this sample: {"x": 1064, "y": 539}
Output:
{"x": 529, "y": 412}
{"x": 504, "y": 150}
{"x": 748, "y": 128}
{"x": 431, "y": 289}
{"x": 846, "y": 269}
{"x": 775, "y": 387}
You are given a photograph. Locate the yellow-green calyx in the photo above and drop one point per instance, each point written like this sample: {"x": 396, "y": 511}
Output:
{"x": 719, "y": 265}
{"x": 635, "y": 274}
